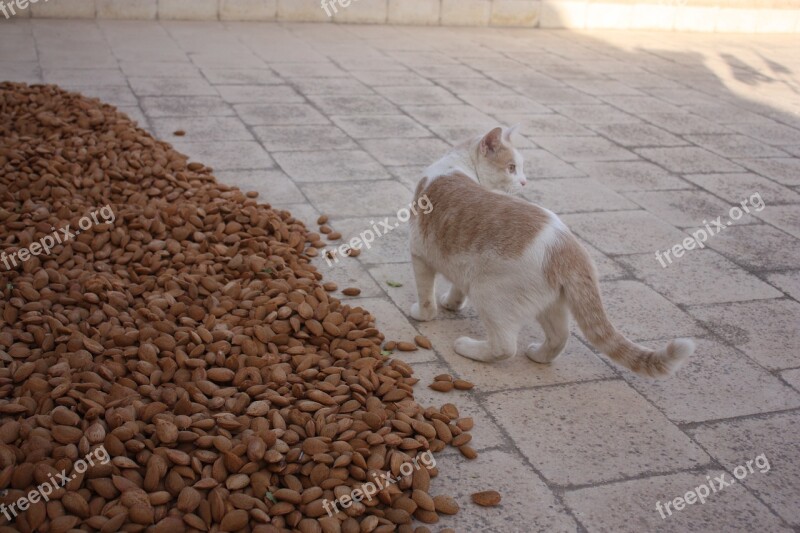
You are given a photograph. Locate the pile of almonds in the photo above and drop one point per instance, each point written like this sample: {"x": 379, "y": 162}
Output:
{"x": 193, "y": 340}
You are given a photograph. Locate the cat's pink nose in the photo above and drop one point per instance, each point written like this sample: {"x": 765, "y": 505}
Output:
{"x": 523, "y": 181}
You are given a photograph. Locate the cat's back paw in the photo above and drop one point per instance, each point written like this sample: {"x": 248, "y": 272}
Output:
{"x": 422, "y": 314}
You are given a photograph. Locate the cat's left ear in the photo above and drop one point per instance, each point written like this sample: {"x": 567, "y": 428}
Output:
{"x": 508, "y": 132}
{"x": 492, "y": 141}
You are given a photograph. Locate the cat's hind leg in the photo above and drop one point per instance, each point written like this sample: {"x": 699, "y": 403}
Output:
{"x": 554, "y": 320}
{"x": 454, "y": 299}
{"x": 500, "y": 343}
{"x": 425, "y": 277}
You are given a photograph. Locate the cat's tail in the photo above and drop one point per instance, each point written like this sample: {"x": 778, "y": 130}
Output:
{"x": 578, "y": 281}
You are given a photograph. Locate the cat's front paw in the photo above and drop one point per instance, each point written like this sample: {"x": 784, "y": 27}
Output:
{"x": 422, "y": 313}
{"x": 453, "y": 300}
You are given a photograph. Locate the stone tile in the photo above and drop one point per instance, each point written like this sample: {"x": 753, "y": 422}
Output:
{"x": 632, "y": 504}
{"x": 536, "y": 126}
{"x": 273, "y": 186}
{"x": 199, "y": 128}
{"x": 474, "y": 86}
{"x": 395, "y": 152}
{"x": 640, "y": 104}
{"x": 577, "y": 434}
{"x": 159, "y": 69}
{"x": 632, "y": 175}
{"x": 414, "y": 11}
{"x": 499, "y": 104}
{"x": 264, "y": 94}
{"x": 374, "y": 78}
{"x": 792, "y": 377}
{"x": 303, "y": 138}
{"x": 788, "y": 282}
{"x": 388, "y": 247}
{"x": 456, "y": 134}
{"x": 392, "y": 323}
{"x": 638, "y": 134}
{"x": 625, "y": 232}
{"x": 574, "y": 149}
{"x": 354, "y": 105}
{"x": 127, "y": 9}
{"x": 543, "y": 164}
{"x": 249, "y": 10}
{"x": 683, "y": 123}
{"x": 279, "y": 114}
{"x": 408, "y": 175}
{"x": 350, "y": 273}
{"x": 331, "y": 86}
{"x": 227, "y": 155}
{"x": 770, "y": 132}
{"x": 356, "y": 199}
{"x": 641, "y": 314}
{"x": 600, "y": 87}
{"x": 446, "y": 71}
{"x": 94, "y": 77}
{"x": 179, "y": 106}
{"x": 557, "y": 95}
{"x": 756, "y": 247}
{"x": 380, "y": 126}
{"x": 782, "y": 170}
{"x": 411, "y": 95}
{"x": 188, "y": 9}
{"x": 734, "y": 146}
{"x": 699, "y": 277}
{"x": 785, "y": 217}
{"x": 163, "y": 86}
{"x": 736, "y": 188}
{"x": 708, "y": 394}
{"x": 576, "y": 363}
{"x": 595, "y": 114}
{"x": 114, "y": 95}
{"x": 485, "y": 435}
{"x": 135, "y": 114}
{"x": 239, "y": 76}
{"x": 440, "y": 115}
{"x": 689, "y": 208}
{"x": 325, "y": 165}
{"x": 574, "y": 195}
{"x": 607, "y": 268}
{"x": 764, "y": 330}
{"x": 688, "y": 160}
{"x": 308, "y": 69}
{"x": 777, "y": 437}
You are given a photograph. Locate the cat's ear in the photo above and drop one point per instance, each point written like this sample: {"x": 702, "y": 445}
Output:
{"x": 508, "y": 132}
{"x": 492, "y": 141}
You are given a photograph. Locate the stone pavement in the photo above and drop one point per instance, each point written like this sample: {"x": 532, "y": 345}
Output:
{"x": 636, "y": 139}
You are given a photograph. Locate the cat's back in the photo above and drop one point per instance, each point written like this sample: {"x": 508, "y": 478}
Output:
{"x": 467, "y": 218}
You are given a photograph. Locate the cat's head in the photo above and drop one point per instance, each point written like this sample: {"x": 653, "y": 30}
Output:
{"x": 499, "y": 165}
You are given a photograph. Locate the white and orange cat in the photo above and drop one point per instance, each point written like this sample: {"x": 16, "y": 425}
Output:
{"x": 515, "y": 261}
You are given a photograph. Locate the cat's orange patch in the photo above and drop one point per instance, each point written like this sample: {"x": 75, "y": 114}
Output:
{"x": 466, "y": 217}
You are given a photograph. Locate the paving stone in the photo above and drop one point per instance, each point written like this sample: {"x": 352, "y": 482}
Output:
{"x": 388, "y": 246}
{"x": 356, "y": 199}
{"x": 777, "y": 437}
{"x": 638, "y": 134}
{"x": 632, "y": 504}
{"x": 614, "y": 233}
{"x": 756, "y": 247}
{"x": 354, "y": 105}
{"x": 330, "y": 165}
{"x": 543, "y": 164}
{"x": 578, "y": 434}
{"x": 552, "y": 125}
{"x": 279, "y": 114}
{"x": 683, "y": 123}
{"x": 199, "y": 128}
{"x": 95, "y": 77}
{"x": 380, "y": 126}
{"x": 792, "y": 377}
{"x": 595, "y": 114}
{"x": 574, "y": 195}
{"x": 734, "y": 146}
{"x": 598, "y": 87}
{"x": 770, "y": 132}
{"x": 179, "y": 106}
{"x": 331, "y": 86}
{"x": 308, "y": 69}
{"x": 239, "y": 76}
{"x": 699, "y": 277}
{"x": 557, "y": 95}
{"x": 788, "y": 282}
{"x": 265, "y": 94}
{"x": 226, "y": 155}
{"x": 707, "y": 394}
{"x": 273, "y": 186}
{"x": 439, "y": 115}
{"x": 390, "y": 79}
{"x": 574, "y": 149}
{"x": 498, "y": 104}
{"x": 764, "y": 330}
{"x": 632, "y": 175}
{"x": 171, "y": 87}
{"x": 461, "y": 86}
{"x": 688, "y": 160}
{"x": 782, "y": 170}
{"x": 408, "y": 175}
{"x": 303, "y": 138}
{"x": 785, "y": 217}
{"x": 456, "y": 134}
{"x": 395, "y": 152}
{"x": 412, "y": 95}
{"x": 351, "y": 273}
{"x": 686, "y": 208}
{"x": 736, "y": 188}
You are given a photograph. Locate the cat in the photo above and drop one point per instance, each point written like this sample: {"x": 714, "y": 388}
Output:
{"x": 515, "y": 260}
